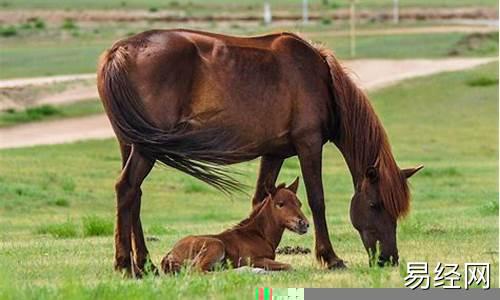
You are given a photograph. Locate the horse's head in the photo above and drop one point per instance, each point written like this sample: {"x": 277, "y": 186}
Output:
{"x": 285, "y": 208}
{"x": 375, "y": 217}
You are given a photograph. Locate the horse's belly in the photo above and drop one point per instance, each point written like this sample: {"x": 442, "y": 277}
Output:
{"x": 257, "y": 114}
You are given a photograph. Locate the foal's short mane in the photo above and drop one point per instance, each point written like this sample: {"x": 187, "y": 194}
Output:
{"x": 258, "y": 208}
{"x": 362, "y": 139}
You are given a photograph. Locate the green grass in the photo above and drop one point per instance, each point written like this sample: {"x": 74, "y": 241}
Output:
{"x": 62, "y": 202}
{"x": 50, "y": 57}
{"x": 440, "y": 121}
{"x": 240, "y": 5}
{"x": 476, "y": 43}
{"x": 12, "y": 117}
{"x": 483, "y": 81}
{"x": 97, "y": 226}
{"x": 68, "y": 229}
{"x": 7, "y": 31}
{"x": 69, "y": 24}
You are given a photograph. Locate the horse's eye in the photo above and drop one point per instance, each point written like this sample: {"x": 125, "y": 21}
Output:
{"x": 281, "y": 204}
{"x": 374, "y": 205}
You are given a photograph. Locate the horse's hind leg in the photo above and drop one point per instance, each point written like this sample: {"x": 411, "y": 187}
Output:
{"x": 125, "y": 150}
{"x": 142, "y": 260}
{"x": 268, "y": 173}
{"x": 211, "y": 253}
{"x": 138, "y": 244}
{"x": 309, "y": 151}
{"x": 128, "y": 193}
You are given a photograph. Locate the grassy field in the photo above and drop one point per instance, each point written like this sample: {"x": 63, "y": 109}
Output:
{"x": 46, "y": 112}
{"x": 242, "y": 5}
{"x": 50, "y": 57}
{"x": 57, "y": 205}
{"x": 55, "y": 51}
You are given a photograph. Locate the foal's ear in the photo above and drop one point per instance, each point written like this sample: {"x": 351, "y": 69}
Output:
{"x": 294, "y": 186}
{"x": 410, "y": 171}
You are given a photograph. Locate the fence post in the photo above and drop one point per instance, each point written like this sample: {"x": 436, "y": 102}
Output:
{"x": 353, "y": 28}
{"x": 305, "y": 14}
{"x": 395, "y": 11}
{"x": 268, "y": 16}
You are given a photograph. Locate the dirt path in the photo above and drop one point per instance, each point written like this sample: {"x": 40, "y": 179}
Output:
{"x": 56, "y": 132}
{"x": 377, "y": 73}
{"x": 21, "y": 93}
{"x": 43, "y": 80}
{"x": 370, "y": 74}
{"x": 33, "y": 92}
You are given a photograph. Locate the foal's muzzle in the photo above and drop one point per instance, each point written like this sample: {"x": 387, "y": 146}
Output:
{"x": 302, "y": 226}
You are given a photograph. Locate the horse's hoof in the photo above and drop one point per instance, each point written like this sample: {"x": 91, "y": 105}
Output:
{"x": 151, "y": 269}
{"x": 124, "y": 269}
{"x": 126, "y": 273}
{"x": 147, "y": 269}
{"x": 337, "y": 265}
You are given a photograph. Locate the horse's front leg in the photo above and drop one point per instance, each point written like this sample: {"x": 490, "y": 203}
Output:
{"x": 268, "y": 173}
{"x": 309, "y": 151}
{"x": 128, "y": 192}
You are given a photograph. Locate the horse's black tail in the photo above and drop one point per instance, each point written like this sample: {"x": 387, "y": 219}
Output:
{"x": 199, "y": 153}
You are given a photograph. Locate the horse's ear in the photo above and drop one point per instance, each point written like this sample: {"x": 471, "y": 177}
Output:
{"x": 294, "y": 186}
{"x": 410, "y": 171}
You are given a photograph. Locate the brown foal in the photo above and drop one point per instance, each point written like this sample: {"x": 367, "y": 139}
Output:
{"x": 252, "y": 242}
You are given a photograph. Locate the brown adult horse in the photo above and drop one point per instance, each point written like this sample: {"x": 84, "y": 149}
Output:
{"x": 252, "y": 242}
{"x": 195, "y": 100}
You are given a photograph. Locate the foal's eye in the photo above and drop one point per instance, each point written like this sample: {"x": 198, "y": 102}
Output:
{"x": 280, "y": 204}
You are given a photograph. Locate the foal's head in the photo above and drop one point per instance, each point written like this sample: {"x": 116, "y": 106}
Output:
{"x": 285, "y": 207}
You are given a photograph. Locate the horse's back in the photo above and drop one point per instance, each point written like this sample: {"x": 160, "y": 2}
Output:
{"x": 208, "y": 79}
{"x": 170, "y": 57}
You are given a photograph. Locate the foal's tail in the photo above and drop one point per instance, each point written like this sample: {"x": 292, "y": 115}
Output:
{"x": 199, "y": 153}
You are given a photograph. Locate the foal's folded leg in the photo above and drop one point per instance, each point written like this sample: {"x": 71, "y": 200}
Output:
{"x": 211, "y": 252}
{"x": 270, "y": 264}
